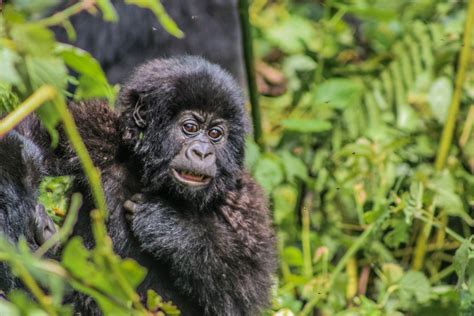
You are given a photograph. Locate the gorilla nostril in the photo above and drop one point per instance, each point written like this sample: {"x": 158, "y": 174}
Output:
{"x": 199, "y": 154}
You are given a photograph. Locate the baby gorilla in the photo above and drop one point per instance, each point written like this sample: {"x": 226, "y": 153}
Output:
{"x": 21, "y": 169}
{"x": 199, "y": 224}
{"x": 199, "y": 212}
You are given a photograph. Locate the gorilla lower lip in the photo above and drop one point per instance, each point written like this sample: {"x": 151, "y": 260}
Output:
{"x": 190, "y": 178}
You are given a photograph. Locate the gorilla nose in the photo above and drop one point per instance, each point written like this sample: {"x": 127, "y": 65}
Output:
{"x": 200, "y": 151}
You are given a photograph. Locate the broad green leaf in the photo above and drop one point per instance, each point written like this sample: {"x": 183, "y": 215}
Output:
{"x": 294, "y": 167}
{"x": 398, "y": 235}
{"x": 284, "y": 203}
{"x": 415, "y": 284}
{"x": 445, "y": 187}
{"x": 51, "y": 71}
{"x": 339, "y": 93}
{"x": 25, "y": 304}
{"x": 292, "y": 34}
{"x": 8, "y": 73}
{"x": 33, "y": 39}
{"x": 92, "y": 79}
{"x": 268, "y": 173}
{"x": 306, "y": 126}
{"x": 293, "y": 256}
{"x": 252, "y": 153}
{"x": 462, "y": 259}
{"x": 7, "y": 308}
{"x": 439, "y": 98}
{"x": 36, "y": 6}
{"x": 75, "y": 259}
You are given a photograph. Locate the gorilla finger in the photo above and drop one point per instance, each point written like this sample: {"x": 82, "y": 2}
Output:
{"x": 129, "y": 217}
{"x": 138, "y": 198}
{"x": 44, "y": 227}
{"x": 131, "y": 207}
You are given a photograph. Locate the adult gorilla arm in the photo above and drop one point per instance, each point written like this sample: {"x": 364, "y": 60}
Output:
{"x": 21, "y": 169}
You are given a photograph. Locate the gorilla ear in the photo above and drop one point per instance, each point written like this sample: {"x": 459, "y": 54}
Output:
{"x": 131, "y": 101}
{"x": 133, "y": 109}
{"x": 139, "y": 114}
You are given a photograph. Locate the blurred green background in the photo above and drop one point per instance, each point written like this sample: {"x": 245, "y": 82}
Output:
{"x": 367, "y": 150}
{"x": 373, "y": 214}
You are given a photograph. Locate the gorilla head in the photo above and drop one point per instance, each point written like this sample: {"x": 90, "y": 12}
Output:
{"x": 184, "y": 119}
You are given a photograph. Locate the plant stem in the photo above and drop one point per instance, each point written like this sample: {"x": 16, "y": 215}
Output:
{"x": 448, "y": 131}
{"x": 34, "y": 288}
{"x": 359, "y": 242}
{"x": 92, "y": 173}
{"x": 62, "y": 16}
{"x": 250, "y": 71}
{"x": 305, "y": 237}
{"x": 33, "y": 102}
{"x": 66, "y": 228}
{"x": 103, "y": 242}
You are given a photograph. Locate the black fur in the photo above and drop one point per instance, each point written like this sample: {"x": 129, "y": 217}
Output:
{"x": 21, "y": 169}
{"x": 211, "y": 28}
{"x": 210, "y": 251}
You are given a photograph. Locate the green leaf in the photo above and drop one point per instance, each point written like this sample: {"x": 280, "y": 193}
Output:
{"x": 155, "y": 303}
{"x": 293, "y": 256}
{"x": 51, "y": 71}
{"x": 252, "y": 153}
{"x": 294, "y": 167}
{"x": 36, "y": 6}
{"x": 439, "y": 98}
{"x": 9, "y": 74}
{"x": 157, "y": 8}
{"x": 268, "y": 173}
{"x": 25, "y": 304}
{"x": 461, "y": 259}
{"x": 284, "y": 201}
{"x": 292, "y": 34}
{"x": 445, "y": 187}
{"x": 415, "y": 284}
{"x": 306, "y": 126}
{"x": 8, "y": 100}
{"x": 339, "y": 93}
{"x": 398, "y": 235}
{"x": 7, "y": 308}
{"x": 33, "y": 39}
{"x": 92, "y": 80}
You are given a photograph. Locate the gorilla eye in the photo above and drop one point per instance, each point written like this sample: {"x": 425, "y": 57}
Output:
{"x": 190, "y": 127}
{"x": 215, "y": 133}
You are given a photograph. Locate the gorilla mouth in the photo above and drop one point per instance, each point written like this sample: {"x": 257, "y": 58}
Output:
{"x": 191, "y": 178}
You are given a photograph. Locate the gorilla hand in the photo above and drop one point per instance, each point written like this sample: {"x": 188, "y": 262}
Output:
{"x": 43, "y": 227}
{"x": 134, "y": 206}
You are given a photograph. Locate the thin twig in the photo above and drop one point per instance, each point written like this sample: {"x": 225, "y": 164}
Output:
{"x": 31, "y": 104}
{"x": 250, "y": 70}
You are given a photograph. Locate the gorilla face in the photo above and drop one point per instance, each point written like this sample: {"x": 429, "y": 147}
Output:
{"x": 186, "y": 122}
{"x": 201, "y": 136}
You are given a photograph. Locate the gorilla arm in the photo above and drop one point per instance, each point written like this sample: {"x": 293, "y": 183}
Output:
{"x": 222, "y": 257}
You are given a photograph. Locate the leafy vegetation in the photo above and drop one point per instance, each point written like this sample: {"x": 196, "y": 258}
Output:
{"x": 366, "y": 152}
{"x": 372, "y": 206}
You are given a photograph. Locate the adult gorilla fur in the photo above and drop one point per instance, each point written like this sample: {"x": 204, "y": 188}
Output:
{"x": 209, "y": 250}
{"x": 21, "y": 169}
{"x": 137, "y": 36}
